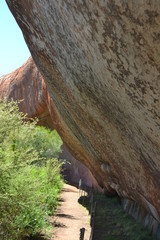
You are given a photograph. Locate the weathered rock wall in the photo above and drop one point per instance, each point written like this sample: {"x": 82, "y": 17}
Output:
{"x": 27, "y": 84}
{"x": 74, "y": 170}
{"x": 100, "y": 61}
{"x": 141, "y": 215}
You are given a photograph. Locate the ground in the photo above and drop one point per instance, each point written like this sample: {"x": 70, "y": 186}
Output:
{"x": 71, "y": 216}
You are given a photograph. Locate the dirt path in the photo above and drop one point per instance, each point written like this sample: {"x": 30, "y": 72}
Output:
{"x": 71, "y": 216}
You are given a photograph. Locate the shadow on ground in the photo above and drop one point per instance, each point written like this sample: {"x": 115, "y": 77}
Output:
{"x": 36, "y": 237}
{"x": 65, "y": 216}
{"x": 59, "y": 225}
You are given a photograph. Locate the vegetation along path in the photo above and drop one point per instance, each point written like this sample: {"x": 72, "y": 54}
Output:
{"x": 112, "y": 223}
{"x": 71, "y": 216}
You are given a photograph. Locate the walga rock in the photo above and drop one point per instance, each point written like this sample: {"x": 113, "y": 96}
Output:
{"x": 27, "y": 85}
{"x": 101, "y": 63}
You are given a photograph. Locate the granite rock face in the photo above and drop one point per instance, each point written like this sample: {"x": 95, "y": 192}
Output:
{"x": 27, "y": 84}
{"x": 100, "y": 62}
{"x": 74, "y": 170}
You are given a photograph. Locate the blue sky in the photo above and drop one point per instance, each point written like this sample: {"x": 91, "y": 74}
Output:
{"x": 13, "y": 49}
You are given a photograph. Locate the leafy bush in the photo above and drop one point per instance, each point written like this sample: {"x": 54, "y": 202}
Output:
{"x": 29, "y": 191}
{"x": 46, "y": 142}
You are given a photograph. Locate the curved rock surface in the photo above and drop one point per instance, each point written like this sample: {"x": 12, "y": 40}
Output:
{"x": 27, "y": 84}
{"x": 75, "y": 170}
{"x": 100, "y": 61}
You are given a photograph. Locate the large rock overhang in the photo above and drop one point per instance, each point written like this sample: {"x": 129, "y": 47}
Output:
{"x": 100, "y": 61}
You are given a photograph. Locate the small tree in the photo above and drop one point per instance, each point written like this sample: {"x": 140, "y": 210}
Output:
{"x": 28, "y": 192}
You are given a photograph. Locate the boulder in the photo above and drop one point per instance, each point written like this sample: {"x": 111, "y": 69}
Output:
{"x": 100, "y": 62}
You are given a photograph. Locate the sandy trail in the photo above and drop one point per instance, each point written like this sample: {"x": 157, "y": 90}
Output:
{"x": 71, "y": 216}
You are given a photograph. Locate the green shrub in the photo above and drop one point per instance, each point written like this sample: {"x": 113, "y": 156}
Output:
{"x": 29, "y": 190}
{"x": 47, "y": 142}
